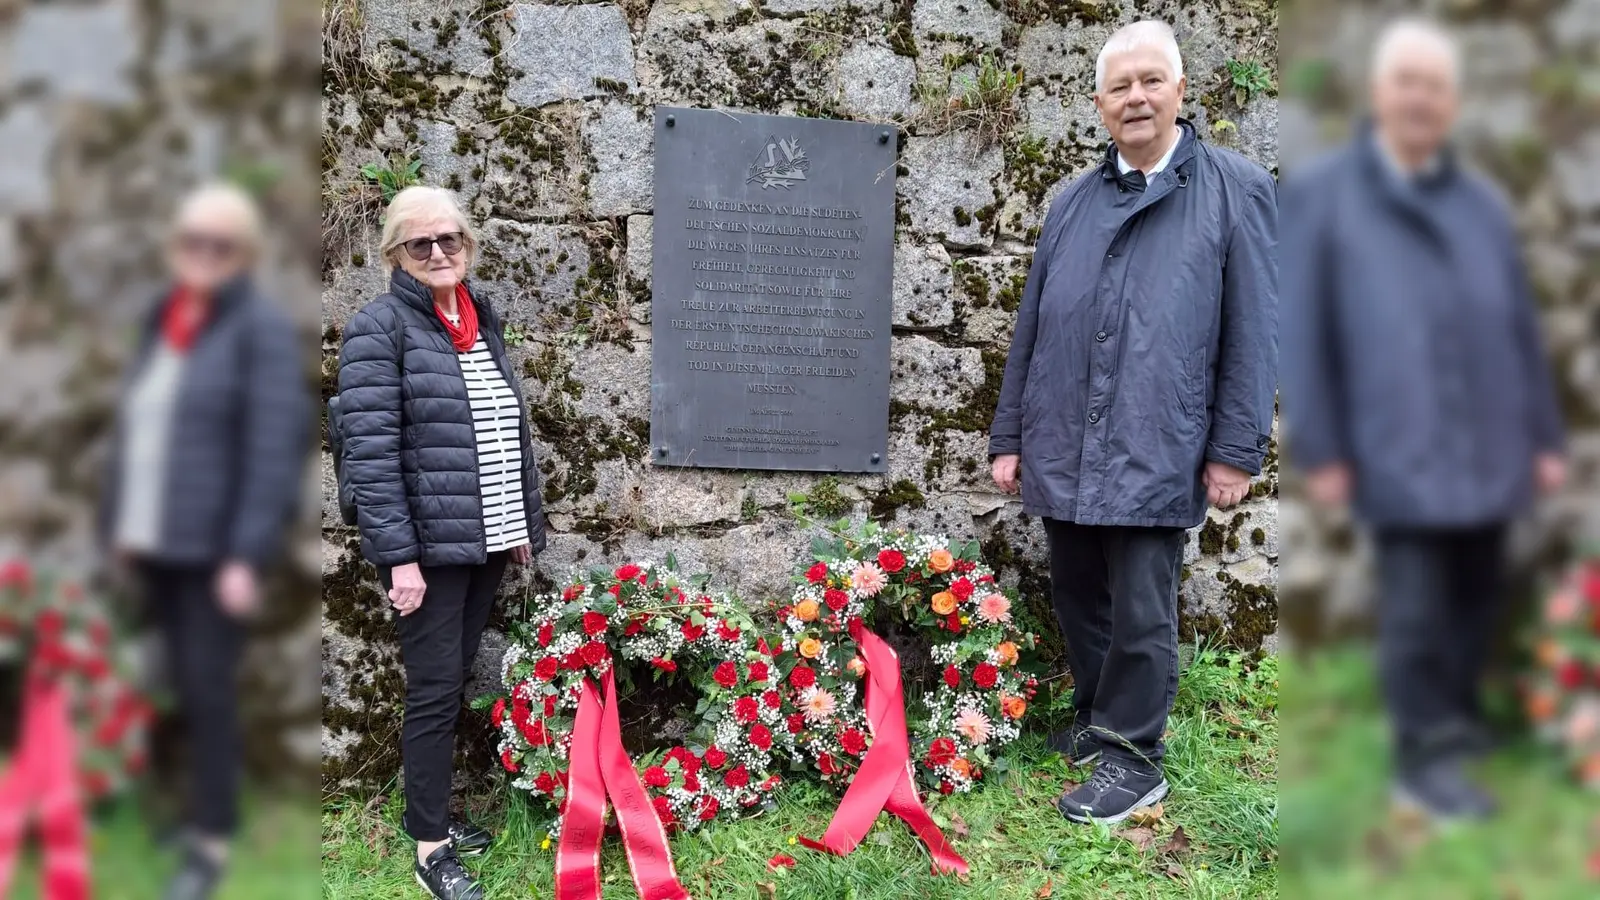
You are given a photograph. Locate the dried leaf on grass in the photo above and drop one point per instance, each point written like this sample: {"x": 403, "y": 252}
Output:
{"x": 1178, "y": 843}
{"x": 1176, "y": 872}
{"x": 1048, "y": 889}
{"x": 1147, "y": 816}
{"x": 1141, "y": 837}
{"x": 958, "y": 825}
{"x": 767, "y": 889}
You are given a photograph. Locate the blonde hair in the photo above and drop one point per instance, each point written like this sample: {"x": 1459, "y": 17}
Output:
{"x": 229, "y": 201}
{"x": 1148, "y": 33}
{"x": 423, "y": 202}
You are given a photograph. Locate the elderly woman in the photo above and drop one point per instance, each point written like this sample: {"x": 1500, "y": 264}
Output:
{"x": 439, "y": 458}
{"x": 206, "y": 464}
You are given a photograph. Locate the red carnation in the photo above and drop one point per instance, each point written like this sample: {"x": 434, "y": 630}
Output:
{"x": 771, "y": 699}
{"x": 953, "y": 622}
{"x": 802, "y": 677}
{"x": 15, "y": 574}
{"x": 737, "y": 777}
{"x": 594, "y": 624}
{"x": 664, "y": 810}
{"x": 781, "y": 861}
{"x": 691, "y": 631}
{"x": 708, "y": 808}
{"x": 1571, "y": 674}
{"x": 818, "y": 573}
{"x": 633, "y": 627}
{"x": 891, "y": 561}
{"x": 853, "y": 741}
{"x": 762, "y": 647}
{"x": 657, "y": 777}
{"x": 506, "y": 761}
{"x": 550, "y": 706}
{"x": 962, "y": 588}
{"x": 836, "y": 599}
{"x": 498, "y": 715}
{"x": 546, "y": 633}
{"x": 665, "y": 665}
{"x": 572, "y": 592}
{"x": 546, "y": 669}
{"x": 519, "y": 710}
{"x": 726, "y": 674}
{"x": 946, "y": 787}
{"x": 535, "y": 734}
{"x": 544, "y": 784}
{"x": 952, "y": 677}
{"x": 690, "y": 763}
{"x": 691, "y": 782}
{"x": 573, "y": 660}
{"x": 826, "y": 764}
{"x": 595, "y": 653}
{"x": 744, "y": 710}
{"x": 942, "y": 753}
{"x": 985, "y": 675}
{"x": 758, "y": 672}
{"x": 761, "y": 738}
{"x": 727, "y": 632}
{"x": 715, "y": 758}
{"x": 615, "y": 590}
{"x": 986, "y": 579}
{"x": 627, "y": 572}
{"x": 797, "y": 723}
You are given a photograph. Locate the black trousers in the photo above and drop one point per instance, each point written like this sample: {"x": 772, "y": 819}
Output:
{"x": 1440, "y": 594}
{"x": 203, "y": 645}
{"x": 437, "y": 645}
{"x": 1115, "y": 592}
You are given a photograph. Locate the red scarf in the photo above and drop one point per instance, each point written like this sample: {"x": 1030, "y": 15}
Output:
{"x": 182, "y": 319}
{"x": 465, "y": 334}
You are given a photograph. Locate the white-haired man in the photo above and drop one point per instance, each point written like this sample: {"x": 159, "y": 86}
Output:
{"x": 1417, "y": 389}
{"x": 1139, "y": 387}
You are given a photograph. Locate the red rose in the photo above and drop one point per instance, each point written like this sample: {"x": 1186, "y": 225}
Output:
{"x": 715, "y": 758}
{"x": 633, "y": 627}
{"x": 962, "y": 588}
{"x": 836, "y": 599}
{"x": 817, "y": 573}
{"x": 942, "y": 753}
{"x": 544, "y": 784}
{"x": 826, "y": 765}
{"x": 628, "y": 572}
{"x": 595, "y": 653}
{"x": 797, "y": 723}
{"x": 946, "y": 787}
{"x": 691, "y": 631}
{"x": 545, "y": 634}
{"x": 708, "y": 808}
{"x": 1571, "y": 674}
{"x": 509, "y": 764}
{"x": 498, "y": 715}
{"x": 891, "y": 561}
{"x": 572, "y": 592}
{"x": 744, "y": 710}
{"x": 546, "y": 669}
{"x": 727, "y": 632}
{"x": 985, "y": 675}
{"x": 952, "y": 677}
{"x": 665, "y": 665}
{"x": 802, "y": 677}
{"x": 657, "y": 777}
{"x": 726, "y": 674}
{"x": 758, "y": 672}
{"x": 853, "y": 741}
{"x": 761, "y": 738}
{"x": 772, "y": 700}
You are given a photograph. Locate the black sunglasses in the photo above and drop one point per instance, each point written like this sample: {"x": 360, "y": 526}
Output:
{"x": 421, "y": 248}
{"x": 214, "y": 246}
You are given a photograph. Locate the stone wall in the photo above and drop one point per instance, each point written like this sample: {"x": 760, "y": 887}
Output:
{"x": 539, "y": 116}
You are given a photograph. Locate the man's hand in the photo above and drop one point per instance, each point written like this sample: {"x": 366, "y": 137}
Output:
{"x": 237, "y": 590}
{"x": 1225, "y": 485}
{"x": 1005, "y": 471}
{"x": 1329, "y": 485}
{"x": 408, "y": 588}
{"x": 1550, "y": 472}
{"x": 521, "y": 555}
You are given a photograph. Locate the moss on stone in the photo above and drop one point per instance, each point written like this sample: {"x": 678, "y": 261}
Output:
{"x": 903, "y": 494}
{"x": 1213, "y": 535}
{"x": 826, "y": 500}
{"x": 1258, "y": 537}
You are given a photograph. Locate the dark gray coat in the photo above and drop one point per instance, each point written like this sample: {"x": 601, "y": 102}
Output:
{"x": 410, "y": 449}
{"x": 1411, "y": 341}
{"x": 1147, "y": 340}
{"x": 240, "y": 439}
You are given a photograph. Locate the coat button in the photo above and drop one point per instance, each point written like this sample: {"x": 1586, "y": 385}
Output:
{"x": 1101, "y": 337}
{"x": 1094, "y": 417}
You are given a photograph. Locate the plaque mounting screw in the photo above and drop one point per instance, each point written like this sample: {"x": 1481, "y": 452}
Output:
{"x": 671, "y": 121}
{"x": 883, "y": 137}
{"x": 876, "y": 459}
{"x": 661, "y": 452}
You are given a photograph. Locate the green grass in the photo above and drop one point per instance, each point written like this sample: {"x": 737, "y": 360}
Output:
{"x": 1340, "y": 842}
{"x": 1222, "y": 764}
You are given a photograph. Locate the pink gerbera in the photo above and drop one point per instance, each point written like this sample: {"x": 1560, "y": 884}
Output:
{"x": 817, "y": 704}
{"x": 994, "y": 608}
{"x": 974, "y": 726}
{"x": 868, "y": 580}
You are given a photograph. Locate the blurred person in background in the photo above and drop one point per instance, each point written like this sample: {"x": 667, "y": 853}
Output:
{"x": 1417, "y": 391}
{"x": 440, "y": 461}
{"x": 1138, "y": 388}
{"x": 205, "y": 474}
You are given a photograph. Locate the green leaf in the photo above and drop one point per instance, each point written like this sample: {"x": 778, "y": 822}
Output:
{"x": 797, "y": 497}
{"x": 485, "y": 701}
{"x": 672, "y": 561}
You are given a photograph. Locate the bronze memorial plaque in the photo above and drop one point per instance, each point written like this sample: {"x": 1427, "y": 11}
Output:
{"x": 772, "y": 281}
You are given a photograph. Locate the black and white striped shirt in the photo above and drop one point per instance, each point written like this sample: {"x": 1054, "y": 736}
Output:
{"x": 497, "y": 421}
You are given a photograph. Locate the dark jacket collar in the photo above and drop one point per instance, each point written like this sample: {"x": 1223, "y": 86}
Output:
{"x": 1372, "y": 155}
{"x": 230, "y": 297}
{"x": 1182, "y": 160}
{"x": 416, "y": 295}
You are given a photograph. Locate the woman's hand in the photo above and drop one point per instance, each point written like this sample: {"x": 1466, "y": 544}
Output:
{"x": 408, "y": 588}
{"x": 237, "y": 590}
{"x": 522, "y": 555}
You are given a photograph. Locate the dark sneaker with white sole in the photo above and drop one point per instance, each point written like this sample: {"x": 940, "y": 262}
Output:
{"x": 198, "y": 878}
{"x": 1112, "y": 794}
{"x": 444, "y": 878}
{"x": 469, "y": 839}
{"x": 1077, "y": 744}
{"x": 1442, "y": 794}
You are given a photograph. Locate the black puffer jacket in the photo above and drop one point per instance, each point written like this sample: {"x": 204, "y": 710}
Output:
{"x": 410, "y": 450}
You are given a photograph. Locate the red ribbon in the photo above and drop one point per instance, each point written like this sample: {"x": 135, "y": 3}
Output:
{"x": 884, "y": 779}
{"x": 43, "y": 778}
{"x": 601, "y": 769}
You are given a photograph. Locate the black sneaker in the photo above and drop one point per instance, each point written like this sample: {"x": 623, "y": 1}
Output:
{"x": 469, "y": 839}
{"x": 443, "y": 877}
{"x": 1077, "y": 744}
{"x": 198, "y": 878}
{"x": 1441, "y": 793}
{"x": 1112, "y": 793}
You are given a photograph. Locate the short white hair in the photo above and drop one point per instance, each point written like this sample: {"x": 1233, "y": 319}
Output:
{"x": 1410, "y": 35}
{"x": 423, "y": 202}
{"x": 1148, "y": 33}
{"x": 227, "y": 201}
